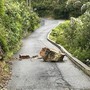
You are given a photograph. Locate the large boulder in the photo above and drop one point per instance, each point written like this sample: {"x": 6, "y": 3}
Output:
{"x": 50, "y": 55}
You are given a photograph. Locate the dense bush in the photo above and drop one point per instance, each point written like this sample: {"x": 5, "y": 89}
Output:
{"x": 17, "y": 21}
{"x": 43, "y": 8}
{"x": 3, "y": 37}
{"x": 58, "y": 9}
{"x": 51, "y": 8}
{"x": 74, "y": 35}
{"x": 73, "y": 6}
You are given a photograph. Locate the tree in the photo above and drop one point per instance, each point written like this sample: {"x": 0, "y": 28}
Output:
{"x": 28, "y": 2}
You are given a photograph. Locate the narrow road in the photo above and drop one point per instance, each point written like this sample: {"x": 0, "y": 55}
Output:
{"x": 38, "y": 75}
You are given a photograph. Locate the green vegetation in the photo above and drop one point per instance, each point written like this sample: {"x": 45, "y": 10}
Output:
{"x": 16, "y": 21}
{"x": 58, "y": 9}
{"x": 74, "y": 35}
{"x": 1, "y": 7}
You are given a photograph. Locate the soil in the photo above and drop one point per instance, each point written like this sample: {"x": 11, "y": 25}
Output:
{"x": 5, "y": 73}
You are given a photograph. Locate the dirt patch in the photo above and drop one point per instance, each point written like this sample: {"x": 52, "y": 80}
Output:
{"x": 5, "y": 73}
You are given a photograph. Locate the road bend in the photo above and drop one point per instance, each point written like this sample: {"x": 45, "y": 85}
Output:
{"x": 36, "y": 74}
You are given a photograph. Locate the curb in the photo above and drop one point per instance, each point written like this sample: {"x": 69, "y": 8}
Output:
{"x": 77, "y": 62}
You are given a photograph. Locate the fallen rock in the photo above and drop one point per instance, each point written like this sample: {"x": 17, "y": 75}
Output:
{"x": 50, "y": 55}
{"x": 24, "y": 57}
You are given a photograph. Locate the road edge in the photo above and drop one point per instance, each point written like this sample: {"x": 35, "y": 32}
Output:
{"x": 77, "y": 62}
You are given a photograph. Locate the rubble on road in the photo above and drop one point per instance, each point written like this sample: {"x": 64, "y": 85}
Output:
{"x": 46, "y": 54}
{"x": 24, "y": 57}
{"x": 27, "y": 57}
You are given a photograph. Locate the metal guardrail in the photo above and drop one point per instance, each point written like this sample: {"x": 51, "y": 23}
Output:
{"x": 77, "y": 62}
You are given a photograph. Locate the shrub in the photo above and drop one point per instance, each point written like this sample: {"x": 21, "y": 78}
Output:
{"x": 73, "y": 6}
{"x": 3, "y": 38}
{"x": 60, "y": 11}
{"x": 17, "y": 22}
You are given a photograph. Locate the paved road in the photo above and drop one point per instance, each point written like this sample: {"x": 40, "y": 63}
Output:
{"x": 39, "y": 75}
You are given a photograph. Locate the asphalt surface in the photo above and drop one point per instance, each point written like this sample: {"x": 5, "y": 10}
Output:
{"x": 36, "y": 74}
